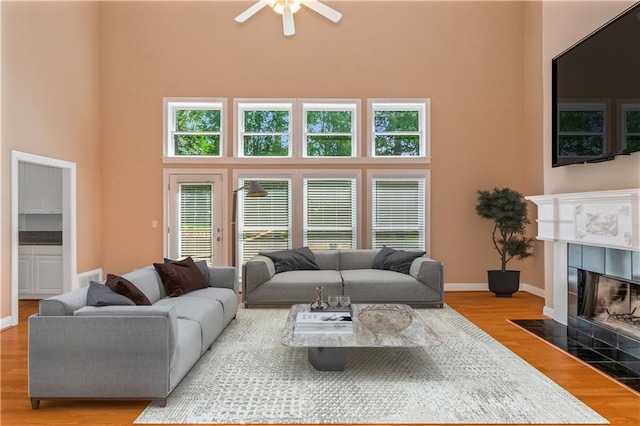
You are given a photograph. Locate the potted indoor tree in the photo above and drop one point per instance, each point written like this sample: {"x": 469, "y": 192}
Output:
{"x": 507, "y": 209}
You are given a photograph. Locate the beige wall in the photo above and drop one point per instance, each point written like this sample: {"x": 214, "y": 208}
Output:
{"x": 467, "y": 57}
{"x": 564, "y": 24}
{"x": 477, "y": 61}
{"x": 50, "y": 107}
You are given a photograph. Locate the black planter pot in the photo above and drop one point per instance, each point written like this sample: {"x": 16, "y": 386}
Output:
{"x": 504, "y": 283}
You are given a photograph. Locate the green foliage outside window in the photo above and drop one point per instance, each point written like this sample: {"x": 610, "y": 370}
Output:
{"x": 581, "y": 133}
{"x": 329, "y": 133}
{"x": 397, "y": 133}
{"x": 196, "y": 132}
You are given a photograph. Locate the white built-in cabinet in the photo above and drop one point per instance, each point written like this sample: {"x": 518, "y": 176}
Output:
{"x": 39, "y": 271}
{"x": 40, "y": 189}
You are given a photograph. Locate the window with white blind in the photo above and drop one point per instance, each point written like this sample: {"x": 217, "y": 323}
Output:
{"x": 264, "y": 222}
{"x": 330, "y": 213}
{"x": 398, "y": 213}
{"x": 196, "y": 220}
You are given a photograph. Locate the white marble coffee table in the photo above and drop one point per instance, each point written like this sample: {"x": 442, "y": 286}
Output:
{"x": 374, "y": 325}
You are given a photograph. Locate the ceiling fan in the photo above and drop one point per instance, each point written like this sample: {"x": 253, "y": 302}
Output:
{"x": 287, "y": 8}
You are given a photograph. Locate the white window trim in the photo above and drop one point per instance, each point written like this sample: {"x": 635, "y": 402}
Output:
{"x": 354, "y": 105}
{"x": 169, "y": 105}
{"x": 240, "y": 105}
{"x": 624, "y": 106}
{"x": 167, "y": 174}
{"x": 404, "y": 174}
{"x": 422, "y": 105}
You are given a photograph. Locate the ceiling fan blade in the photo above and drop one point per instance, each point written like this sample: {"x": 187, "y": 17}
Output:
{"x": 287, "y": 21}
{"x": 323, "y": 10}
{"x": 251, "y": 11}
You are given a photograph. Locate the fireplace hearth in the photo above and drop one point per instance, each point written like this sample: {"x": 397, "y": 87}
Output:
{"x": 604, "y": 301}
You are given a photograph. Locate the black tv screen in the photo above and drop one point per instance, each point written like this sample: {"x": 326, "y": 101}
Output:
{"x": 596, "y": 94}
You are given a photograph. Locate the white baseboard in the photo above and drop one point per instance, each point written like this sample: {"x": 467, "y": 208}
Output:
{"x": 536, "y": 291}
{"x": 5, "y": 323}
{"x": 466, "y": 287}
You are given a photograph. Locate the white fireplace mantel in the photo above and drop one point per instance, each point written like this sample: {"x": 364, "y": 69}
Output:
{"x": 602, "y": 218}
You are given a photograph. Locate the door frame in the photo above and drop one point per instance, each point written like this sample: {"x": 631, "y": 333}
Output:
{"x": 166, "y": 180}
{"x": 69, "y": 222}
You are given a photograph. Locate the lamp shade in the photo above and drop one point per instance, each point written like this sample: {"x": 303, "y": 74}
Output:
{"x": 256, "y": 190}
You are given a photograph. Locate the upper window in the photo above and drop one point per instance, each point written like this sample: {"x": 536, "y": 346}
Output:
{"x": 264, "y": 129}
{"x": 194, "y": 128}
{"x": 329, "y": 129}
{"x": 581, "y": 129}
{"x": 399, "y": 129}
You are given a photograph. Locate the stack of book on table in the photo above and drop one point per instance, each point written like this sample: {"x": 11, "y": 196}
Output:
{"x": 323, "y": 322}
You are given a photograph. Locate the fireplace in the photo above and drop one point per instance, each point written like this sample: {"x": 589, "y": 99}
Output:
{"x": 604, "y": 301}
{"x": 611, "y": 302}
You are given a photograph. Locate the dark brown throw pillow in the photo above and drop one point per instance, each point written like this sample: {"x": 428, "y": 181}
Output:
{"x": 126, "y": 288}
{"x": 180, "y": 277}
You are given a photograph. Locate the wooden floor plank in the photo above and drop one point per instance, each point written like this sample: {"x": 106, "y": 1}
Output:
{"x": 616, "y": 403}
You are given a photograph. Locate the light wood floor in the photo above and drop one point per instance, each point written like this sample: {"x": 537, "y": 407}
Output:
{"x": 616, "y": 403}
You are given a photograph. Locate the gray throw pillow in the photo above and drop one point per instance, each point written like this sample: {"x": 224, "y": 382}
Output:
{"x": 101, "y": 295}
{"x": 395, "y": 260}
{"x": 292, "y": 260}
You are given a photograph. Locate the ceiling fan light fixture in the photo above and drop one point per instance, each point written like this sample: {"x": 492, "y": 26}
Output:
{"x": 280, "y": 5}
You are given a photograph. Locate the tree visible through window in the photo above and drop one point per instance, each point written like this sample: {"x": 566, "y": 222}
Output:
{"x": 329, "y": 130}
{"x": 398, "y": 129}
{"x": 265, "y": 130}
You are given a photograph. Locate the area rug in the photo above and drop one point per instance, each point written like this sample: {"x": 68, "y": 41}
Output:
{"x": 470, "y": 378}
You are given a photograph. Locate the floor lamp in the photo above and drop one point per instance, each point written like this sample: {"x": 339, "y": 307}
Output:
{"x": 254, "y": 189}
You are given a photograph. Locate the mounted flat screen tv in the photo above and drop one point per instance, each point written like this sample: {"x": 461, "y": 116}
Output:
{"x": 596, "y": 94}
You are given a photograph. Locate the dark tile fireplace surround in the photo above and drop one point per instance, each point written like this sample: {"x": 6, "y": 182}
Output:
{"x": 602, "y": 328}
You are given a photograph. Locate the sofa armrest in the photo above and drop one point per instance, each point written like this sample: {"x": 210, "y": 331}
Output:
{"x": 99, "y": 356}
{"x": 223, "y": 277}
{"x": 428, "y": 271}
{"x": 255, "y": 272}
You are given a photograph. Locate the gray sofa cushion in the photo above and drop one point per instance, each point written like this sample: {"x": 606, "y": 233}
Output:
{"x": 357, "y": 258}
{"x": 148, "y": 281}
{"x": 207, "y": 313}
{"x": 228, "y": 298}
{"x": 101, "y": 295}
{"x": 375, "y": 285}
{"x": 296, "y": 286}
{"x": 327, "y": 259}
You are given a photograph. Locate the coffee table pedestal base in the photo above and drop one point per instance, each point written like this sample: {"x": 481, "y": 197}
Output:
{"x": 327, "y": 359}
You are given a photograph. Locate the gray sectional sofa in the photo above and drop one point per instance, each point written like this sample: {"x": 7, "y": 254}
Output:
{"x": 126, "y": 352}
{"x": 348, "y": 272}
